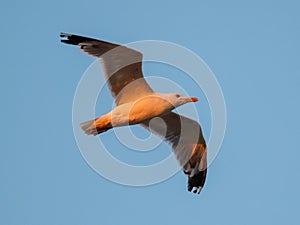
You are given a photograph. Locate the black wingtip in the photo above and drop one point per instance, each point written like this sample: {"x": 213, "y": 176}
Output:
{"x": 69, "y": 39}
{"x": 196, "y": 182}
{"x": 65, "y": 35}
{"x": 62, "y": 34}
{"x": 74, "y": 39}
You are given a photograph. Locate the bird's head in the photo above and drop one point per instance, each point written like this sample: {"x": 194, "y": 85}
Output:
{"x": 178, "y": 99}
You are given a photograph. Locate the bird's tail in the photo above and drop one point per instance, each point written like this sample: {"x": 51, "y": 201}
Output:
{"x": 96, "y": 126}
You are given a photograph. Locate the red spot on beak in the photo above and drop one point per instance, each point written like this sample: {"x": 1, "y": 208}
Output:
{"x": 194, "y": 99}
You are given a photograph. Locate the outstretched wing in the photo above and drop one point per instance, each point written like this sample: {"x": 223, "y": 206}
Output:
{"x": 122, "y": 67}
{"x": 186, "y": 138}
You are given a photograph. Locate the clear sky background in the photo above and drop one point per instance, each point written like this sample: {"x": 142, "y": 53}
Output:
{"x": 251, "y": 46}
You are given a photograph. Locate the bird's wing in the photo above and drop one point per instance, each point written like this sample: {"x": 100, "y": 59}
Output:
{"x": 122, "y": 67}
{"x": 186, "y": 138}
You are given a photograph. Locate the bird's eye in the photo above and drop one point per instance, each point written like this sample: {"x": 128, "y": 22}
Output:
{"x": 177, "y": 96}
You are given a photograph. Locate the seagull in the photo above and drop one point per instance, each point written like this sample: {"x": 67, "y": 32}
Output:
{"x": 137, "y": 103}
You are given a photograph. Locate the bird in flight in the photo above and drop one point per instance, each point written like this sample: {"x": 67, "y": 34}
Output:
{"x": 137, "y": 103}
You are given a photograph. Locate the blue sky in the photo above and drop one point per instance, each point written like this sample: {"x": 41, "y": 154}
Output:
{"x": 253, "y": 49}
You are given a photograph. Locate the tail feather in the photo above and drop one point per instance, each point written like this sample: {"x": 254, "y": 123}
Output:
{"x": 95, "y": 127}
